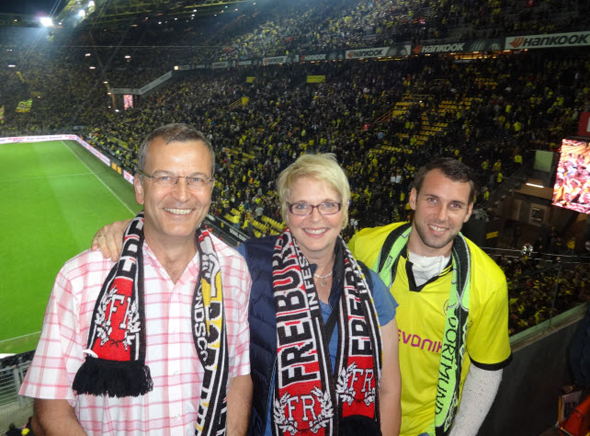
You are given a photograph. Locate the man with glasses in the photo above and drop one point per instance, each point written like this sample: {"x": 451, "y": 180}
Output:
{"x": 156, "y": 343}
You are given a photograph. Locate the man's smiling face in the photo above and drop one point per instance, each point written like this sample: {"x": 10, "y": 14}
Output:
{"x": 440, "y": 209}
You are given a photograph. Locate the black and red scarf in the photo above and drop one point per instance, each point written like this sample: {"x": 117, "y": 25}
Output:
{"x": 115, "y": 361}
{"x": 310, "y": 398}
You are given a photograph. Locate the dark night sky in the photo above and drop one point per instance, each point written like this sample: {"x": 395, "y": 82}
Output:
{"x": 32, "y": 7}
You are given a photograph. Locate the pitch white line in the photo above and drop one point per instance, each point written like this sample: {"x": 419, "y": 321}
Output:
{"x": 98, "y": 178}
{"x": 57, "y": 176}
{"x": 20, "y": 337}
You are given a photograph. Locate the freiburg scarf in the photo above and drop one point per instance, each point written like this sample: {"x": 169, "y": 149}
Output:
{"x": 308, "y": 397}
{"x": 115, "y": 361}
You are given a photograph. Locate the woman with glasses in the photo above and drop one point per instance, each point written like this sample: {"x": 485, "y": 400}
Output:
{"x": 323, "y": 335}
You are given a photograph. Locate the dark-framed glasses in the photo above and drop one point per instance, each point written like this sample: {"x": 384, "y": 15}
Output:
{"x": 162, "y": 178}
{"x": 305, "y": 209}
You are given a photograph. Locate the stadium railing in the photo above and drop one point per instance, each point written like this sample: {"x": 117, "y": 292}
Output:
{"x": 14, "y": 408}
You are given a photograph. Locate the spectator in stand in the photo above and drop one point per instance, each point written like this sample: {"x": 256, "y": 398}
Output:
{"x": 12, "y": 430}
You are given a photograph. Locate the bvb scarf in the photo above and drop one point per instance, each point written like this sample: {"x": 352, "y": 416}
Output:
{"x": 307, "y": 395}
{"x": 115, "y": 361}
{"x": 453, "y": 343}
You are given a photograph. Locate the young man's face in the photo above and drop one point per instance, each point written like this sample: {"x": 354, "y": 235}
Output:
{"x": 440, "y": 209}
{"x": 174, "y": 212}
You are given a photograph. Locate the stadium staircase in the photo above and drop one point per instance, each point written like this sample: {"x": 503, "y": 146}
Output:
{"x": 447, "y": 109}
{"x": 236, "y": 104}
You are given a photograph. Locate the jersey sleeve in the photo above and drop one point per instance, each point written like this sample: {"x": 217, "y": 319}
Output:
{"x": 366, "y": 244}
{"x": 385, "y": 304}
{"x": 488, "y": 342}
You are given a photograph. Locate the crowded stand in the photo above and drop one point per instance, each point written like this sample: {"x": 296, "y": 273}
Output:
{"x": 383, "y": 120}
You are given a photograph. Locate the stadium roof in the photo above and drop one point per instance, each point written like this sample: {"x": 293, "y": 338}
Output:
{"x": 107, "y": 13}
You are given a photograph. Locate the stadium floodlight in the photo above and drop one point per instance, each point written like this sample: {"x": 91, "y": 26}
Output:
{"x": 93, "y": 68}
{"x": 88, "y": 55}
{"x": 46, "y": 21}
{"x": 11, "y": 66}
{"x": 105, "y": 82}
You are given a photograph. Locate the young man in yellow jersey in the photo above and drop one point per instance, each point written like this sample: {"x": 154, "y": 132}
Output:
{"x": 453, "y": 305}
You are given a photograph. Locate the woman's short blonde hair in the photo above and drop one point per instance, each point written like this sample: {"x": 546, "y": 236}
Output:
{"x": 320, "y": 167}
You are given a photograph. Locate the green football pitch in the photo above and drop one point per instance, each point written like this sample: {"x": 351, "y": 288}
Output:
{"x": 55, "y": 195}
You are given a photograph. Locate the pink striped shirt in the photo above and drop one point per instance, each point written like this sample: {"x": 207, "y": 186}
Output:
{"x": 171, "y": 408}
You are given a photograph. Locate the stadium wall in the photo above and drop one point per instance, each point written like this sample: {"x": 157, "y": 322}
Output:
{"x": 527, "y": 402}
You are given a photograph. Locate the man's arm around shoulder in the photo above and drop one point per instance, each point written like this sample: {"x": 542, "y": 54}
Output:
{"x": 239, "y": 403}
{"x": 55, "y": 417}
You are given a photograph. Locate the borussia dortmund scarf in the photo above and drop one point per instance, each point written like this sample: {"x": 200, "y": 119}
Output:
{"x": 115, "y": 361}
{"x": 308, "y": 397}
{"x": 453, "y": 343}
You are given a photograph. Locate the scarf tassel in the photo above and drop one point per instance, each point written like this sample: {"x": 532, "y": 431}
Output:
{"x": 113, "y": 378}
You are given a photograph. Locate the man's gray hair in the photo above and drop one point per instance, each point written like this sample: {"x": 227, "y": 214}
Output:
{"x": 176, "y": 132}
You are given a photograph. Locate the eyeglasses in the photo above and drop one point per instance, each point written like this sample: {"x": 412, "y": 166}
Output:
{"x": 164, "y": 179}
{"x": 305, "y": 209}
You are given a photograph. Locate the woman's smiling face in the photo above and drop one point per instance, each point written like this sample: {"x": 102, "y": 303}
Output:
{"x": 316, "y": 234}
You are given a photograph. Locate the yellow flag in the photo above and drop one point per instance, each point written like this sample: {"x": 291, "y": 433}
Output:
{"x": 316, "y": 79}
